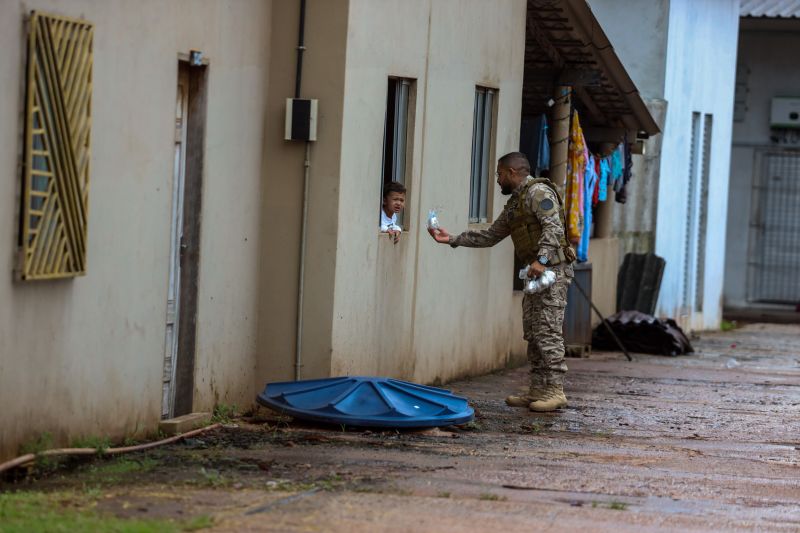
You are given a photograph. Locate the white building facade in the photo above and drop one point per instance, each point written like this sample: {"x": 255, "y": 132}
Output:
{"x": 682, "y": 56}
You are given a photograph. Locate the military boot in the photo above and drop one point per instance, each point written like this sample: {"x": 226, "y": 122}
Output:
{"x": 552, "y": 399}
{"x": 525, "y": 400}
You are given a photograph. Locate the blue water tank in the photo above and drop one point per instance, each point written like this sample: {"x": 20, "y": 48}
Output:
{"x": 367, "y": 402}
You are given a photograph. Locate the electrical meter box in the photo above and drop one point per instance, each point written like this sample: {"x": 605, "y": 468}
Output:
{"x": 785, "y": 112}
{"x": 301, "y": 119}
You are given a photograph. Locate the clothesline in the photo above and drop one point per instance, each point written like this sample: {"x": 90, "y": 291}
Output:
{"x": 589, "y": 178}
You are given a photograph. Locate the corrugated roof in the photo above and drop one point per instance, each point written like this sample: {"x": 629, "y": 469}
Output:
{"x": 770, "y": 8}
{"x": 564, "y": 39}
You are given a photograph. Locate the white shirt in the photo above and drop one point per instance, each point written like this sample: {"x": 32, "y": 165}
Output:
{"x": 388, "y": 223}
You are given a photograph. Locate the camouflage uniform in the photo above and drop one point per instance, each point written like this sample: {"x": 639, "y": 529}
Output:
{"x": 543, "y": 312}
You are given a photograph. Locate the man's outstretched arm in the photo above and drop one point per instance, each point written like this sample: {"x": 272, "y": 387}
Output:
{"x": 484, "y": 238}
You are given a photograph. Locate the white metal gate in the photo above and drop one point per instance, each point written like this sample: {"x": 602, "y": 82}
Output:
{"x": 774, "y": 246}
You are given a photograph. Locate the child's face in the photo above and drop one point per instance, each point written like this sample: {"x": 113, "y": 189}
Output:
{"x": 394, "y": 202}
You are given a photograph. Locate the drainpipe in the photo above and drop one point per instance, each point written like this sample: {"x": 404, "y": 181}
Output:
{"x": 301, "y": 47}
{"x": 559, "y": 136}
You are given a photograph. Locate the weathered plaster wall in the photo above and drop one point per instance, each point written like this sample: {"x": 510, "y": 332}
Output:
{"x": 84, "y": 356}
{"x": 419, "y": 310}
{"x": 701, "y": 64}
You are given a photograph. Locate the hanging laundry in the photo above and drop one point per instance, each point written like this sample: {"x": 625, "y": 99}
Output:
{"x": 617, "y": 166}
{"x": 627, "y": 173}
{"x": 576, "y": 167}
{"x": 534, "y": 143}
{"x": 596, "y": 189}
{"x": 590, "y": 182}
{"x": 544, "y": 146}
{"x": 617, "y": 157}
{"x": 602, "y": 183}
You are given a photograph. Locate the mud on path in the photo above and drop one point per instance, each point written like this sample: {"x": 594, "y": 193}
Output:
{"x": 707, "y": 442}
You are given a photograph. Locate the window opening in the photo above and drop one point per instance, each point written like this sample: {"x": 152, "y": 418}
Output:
{"x": 482, "y": 136}
{"x": 395, "y": 134}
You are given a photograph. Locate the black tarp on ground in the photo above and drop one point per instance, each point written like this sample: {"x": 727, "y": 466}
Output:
{"x": 642, "y": 333}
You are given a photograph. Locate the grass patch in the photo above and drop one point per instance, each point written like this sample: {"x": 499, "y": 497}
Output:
{"x": 101, "y": 444}
{"x": 443, "y": 495}
{"x": 197, "y": 523}
{"x": 614, "y": 505}
{"x": 37, "y": 446}
{"x": 104, "y": 473}
{"x": 125, "y": 465}
{"x": 213, "y": 478}
{"x": 728, "y": 325}
{"x": 23, "y": 512}
{"x": 223, "y": 413}
{"x": 492, "y": 497}
{"x": 471, "y": 426}
{"x": 532, "y": 427}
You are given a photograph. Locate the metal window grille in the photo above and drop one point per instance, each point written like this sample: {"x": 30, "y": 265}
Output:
{"x": 702, "y": 216}
{"x": 395, "y": 134}
{"x": 482, "y": 133}
{"x": 53, "y": 228}
{"x": 691, "y": 214}
{"x": 775, "y": 228}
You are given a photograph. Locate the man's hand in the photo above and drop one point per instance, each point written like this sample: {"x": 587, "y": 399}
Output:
{"x": 536, "y": 269}
{"x": 440, "y": 235}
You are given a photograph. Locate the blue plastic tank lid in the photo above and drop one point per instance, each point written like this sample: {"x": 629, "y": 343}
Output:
{"x": 367, "y": 402}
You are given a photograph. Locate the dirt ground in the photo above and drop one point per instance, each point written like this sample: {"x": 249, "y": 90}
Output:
{"x": 707, "y": 442}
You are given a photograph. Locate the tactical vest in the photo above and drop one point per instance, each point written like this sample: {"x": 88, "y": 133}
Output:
{"x": 526, "y": 230}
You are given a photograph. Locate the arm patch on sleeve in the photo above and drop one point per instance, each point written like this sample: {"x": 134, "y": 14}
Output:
{"x": 546, "y": 207}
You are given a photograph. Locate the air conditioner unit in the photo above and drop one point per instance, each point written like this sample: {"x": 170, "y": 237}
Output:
{"x": 785, "y": 112}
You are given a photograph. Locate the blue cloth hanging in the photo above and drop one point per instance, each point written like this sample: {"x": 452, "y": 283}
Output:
{"x": 590, "y": 180}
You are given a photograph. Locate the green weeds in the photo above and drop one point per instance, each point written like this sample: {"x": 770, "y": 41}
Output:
{"x": 728, "y": 325}
{"x": 101, "y": 444}
{"x": 22, "y": 512}
{"x": 223, "y": 413}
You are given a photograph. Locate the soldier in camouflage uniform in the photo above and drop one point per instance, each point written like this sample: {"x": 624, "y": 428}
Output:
{"x": 534, "y": 219}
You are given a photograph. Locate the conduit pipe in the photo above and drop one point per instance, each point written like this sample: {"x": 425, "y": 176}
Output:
{"x": 60, "y": 452}
{"x": 301, "y": 47}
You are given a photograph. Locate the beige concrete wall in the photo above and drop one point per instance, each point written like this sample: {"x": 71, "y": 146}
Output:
{"x": 323, "y": 79}
{"x": 419, "y": 310}
{"x": 604, "y": 256}
{"x": 84, "y": 356}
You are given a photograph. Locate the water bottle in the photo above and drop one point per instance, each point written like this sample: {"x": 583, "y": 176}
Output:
{"x": 433, "y": 220}
{"x": 534, "y": 285}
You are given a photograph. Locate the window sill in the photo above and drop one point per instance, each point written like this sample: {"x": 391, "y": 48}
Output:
{"x": 479, "y": 225}
{"x": 386, "y": 234}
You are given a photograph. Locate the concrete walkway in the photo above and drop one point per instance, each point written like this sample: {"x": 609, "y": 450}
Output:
{"x": 708, "y": 442}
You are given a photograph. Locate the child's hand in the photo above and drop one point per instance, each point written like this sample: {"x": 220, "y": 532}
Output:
{"x": 394, "y": 235}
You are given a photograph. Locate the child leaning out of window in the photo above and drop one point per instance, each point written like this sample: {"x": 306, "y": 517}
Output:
{"x": 394, "y": 200}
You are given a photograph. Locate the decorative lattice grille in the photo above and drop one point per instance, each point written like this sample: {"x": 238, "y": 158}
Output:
{"x": 57, "y": 148}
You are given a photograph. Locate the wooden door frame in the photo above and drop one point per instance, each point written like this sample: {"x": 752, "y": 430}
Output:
{"x": 190, "y": 240}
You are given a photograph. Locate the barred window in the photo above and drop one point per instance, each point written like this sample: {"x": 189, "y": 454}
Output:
{"x": 482, "y": 136}
{"x": 397, "y": 140}
{"x": 55, "y": 180}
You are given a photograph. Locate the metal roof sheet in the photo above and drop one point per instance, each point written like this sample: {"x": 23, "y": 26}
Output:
{"x": 563, "y": 36}
{"x": 770, "y": 8}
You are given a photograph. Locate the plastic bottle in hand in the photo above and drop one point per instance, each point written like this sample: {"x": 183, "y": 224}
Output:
{"x": 534, "y": 285}
{"x": 433, "y": 220}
